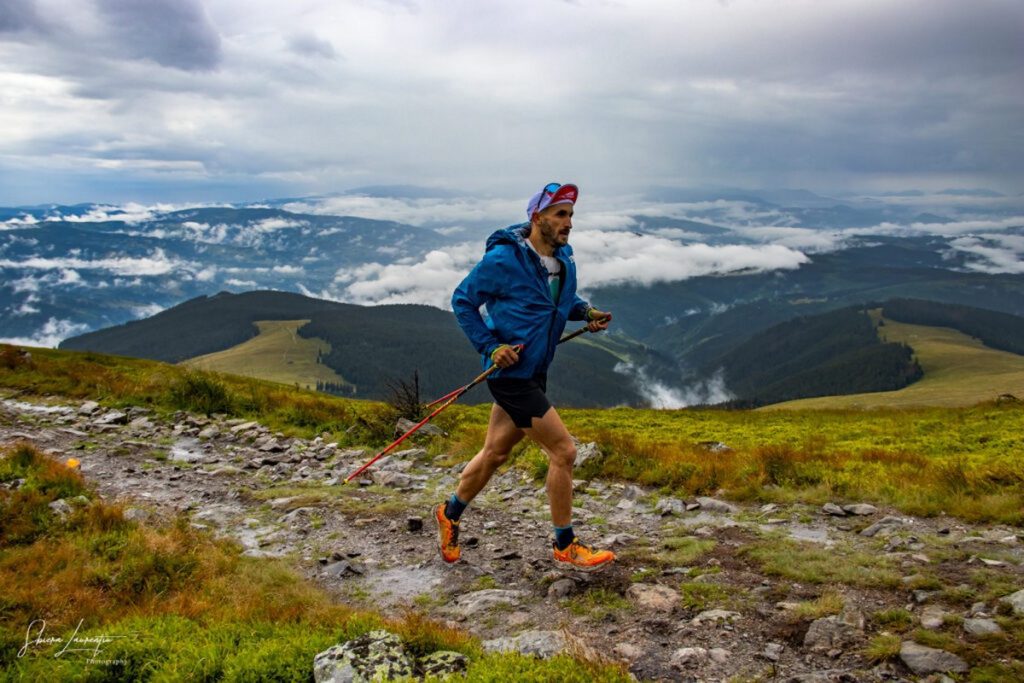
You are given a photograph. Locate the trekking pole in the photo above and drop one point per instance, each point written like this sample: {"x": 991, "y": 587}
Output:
{"x": 571, "y": 335}
{"x": 452, "y": 398}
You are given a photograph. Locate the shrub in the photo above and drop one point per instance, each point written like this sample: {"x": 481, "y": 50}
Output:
{"x": 201, "y": 393}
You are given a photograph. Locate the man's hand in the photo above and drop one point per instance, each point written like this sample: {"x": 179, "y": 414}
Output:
{"x": 504, "y": 356}
{"x": 599, "y": 320}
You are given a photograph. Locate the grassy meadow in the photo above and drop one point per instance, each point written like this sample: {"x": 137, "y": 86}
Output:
{"x": 277, "y": 354}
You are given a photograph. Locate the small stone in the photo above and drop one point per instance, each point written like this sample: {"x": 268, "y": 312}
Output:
{"x": 414, "y": 524}
{"x": 688, "y": 656}
{"x": 1015, "y": 601}
{"x": 654, "y": 597}
{"x": 562, "y": 588}
{"x": 981, "y": 627}
{"x": 773, "y": 651}
{"x": 933, "y": 617}
{"x": 714, "y": 615}
{"x": 628, "y": 651}
{"x": 885, "y": 526}
{"x": 833, "y": 509}
{"x": 860, "y": 509}
{"x": 719, "y": 655}
{"x": 927, "y": 660}
{"x": 538, "y": 643}
{"x": 715, "y": 505}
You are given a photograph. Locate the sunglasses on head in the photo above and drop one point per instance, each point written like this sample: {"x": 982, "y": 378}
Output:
{"x": 550, "y": 188}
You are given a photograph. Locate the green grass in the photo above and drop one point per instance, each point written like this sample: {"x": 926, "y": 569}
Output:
{"x": 810, "y": 563}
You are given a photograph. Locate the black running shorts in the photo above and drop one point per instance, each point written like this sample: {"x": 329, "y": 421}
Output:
{"x": 522, "y": 399}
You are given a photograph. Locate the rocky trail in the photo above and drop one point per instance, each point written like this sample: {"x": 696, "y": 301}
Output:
{"x": 703, "y": 589}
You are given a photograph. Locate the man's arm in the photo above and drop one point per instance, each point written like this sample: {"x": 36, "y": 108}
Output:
{"x": 482, "y": 285}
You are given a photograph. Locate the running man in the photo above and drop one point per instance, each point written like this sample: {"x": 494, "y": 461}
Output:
{"x": 526, "y": 282}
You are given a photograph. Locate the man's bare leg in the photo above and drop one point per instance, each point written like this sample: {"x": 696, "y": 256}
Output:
{"x": 550, "y": 434}
{"x": 502, "y": 436}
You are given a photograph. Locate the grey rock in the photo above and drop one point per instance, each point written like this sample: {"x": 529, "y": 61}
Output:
{"x": 714, "y": 615}
{"x": 633, "y": 493}
{"x": 378, "y": 655}
{"x": 538, "y": 643}
{"x": 209, "y": 432}
{"x": 688, "y": 656}
{"x": 714, "y": 446}
{"x": 244, "y": 427}
{"x": 88, "y": 408}
{"x": 113, "y": 417}
{"x": 829, "y": 633}
{"x": 444, "y": 663}
{"x": 60, "y": 507}
{"x": 562, "y": 588}
{"x": 629, "y": 652}
{"x": 719, "y": 655}
{"x": 654, "y": 597}
{"x": 715, "y": 505}
{"x": 586, "y": 452}
{"x": 1015, "y": 601}
{"x": 981, "y": 627}
{"x": 933, "y": 617}
{"x": 480, "y": 601}
{"x": 403, "y": 425}
{"x": 861, "y": 509}
{"x": 833, "y": 509}
{"x": 773, "y": 651}
{"x": 927, "y": 660}
{"x": 884, "y": 527}
{"x": 669, "y": 506}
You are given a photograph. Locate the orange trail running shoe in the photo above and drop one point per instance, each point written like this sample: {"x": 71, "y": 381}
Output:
{"x": 447, "y": 536}
{"x": 579, "y": 557}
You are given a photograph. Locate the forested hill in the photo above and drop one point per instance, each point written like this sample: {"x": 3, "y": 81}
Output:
{"x": 992, "y": 328}
{"x": 201, "y": 325}
{"x": 834, "y": 353}
{"x": 372, "y": 347}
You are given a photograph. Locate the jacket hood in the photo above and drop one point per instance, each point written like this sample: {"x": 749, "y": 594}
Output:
{"x": 514, "y": 234}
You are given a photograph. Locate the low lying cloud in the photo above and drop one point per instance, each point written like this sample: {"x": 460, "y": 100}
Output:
{"x": 992, "y": 253}
{"x": 662, "y": 396}
{"x": 157, "y": 263}
{"x": 52, "y": 333}
{"x": 429, "y": 281}
{"x": 607, "y": 257}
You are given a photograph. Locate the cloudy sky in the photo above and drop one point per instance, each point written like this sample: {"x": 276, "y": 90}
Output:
{"x": 233, "y": 100}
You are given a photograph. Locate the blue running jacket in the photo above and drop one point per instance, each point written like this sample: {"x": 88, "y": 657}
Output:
{"x": 505, "y": 299}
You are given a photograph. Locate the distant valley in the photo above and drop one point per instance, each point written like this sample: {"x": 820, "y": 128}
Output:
{"x": 692, "y": 276}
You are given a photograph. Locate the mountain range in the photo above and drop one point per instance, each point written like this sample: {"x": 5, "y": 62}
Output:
{"x": 690, "y": 274}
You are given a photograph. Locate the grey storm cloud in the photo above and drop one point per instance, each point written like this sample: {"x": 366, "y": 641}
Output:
{"x": 177, "y": 100}
{"x": 175, "y": 33}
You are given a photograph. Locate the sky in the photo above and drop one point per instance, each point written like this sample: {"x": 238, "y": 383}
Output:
{"x": 238, "y": 100}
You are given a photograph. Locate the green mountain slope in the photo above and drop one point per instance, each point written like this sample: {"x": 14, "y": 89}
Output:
{"x": 833, "y": 353}
{"x": 370, "y": 347}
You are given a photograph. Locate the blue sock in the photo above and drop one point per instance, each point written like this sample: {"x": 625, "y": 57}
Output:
{"x": 564, "y": 536}
{"x": 454, "y": 509}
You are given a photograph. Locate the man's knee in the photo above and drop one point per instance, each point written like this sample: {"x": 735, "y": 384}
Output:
{"x": 495, "y": 457}
{"x": 563, "y": 454}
